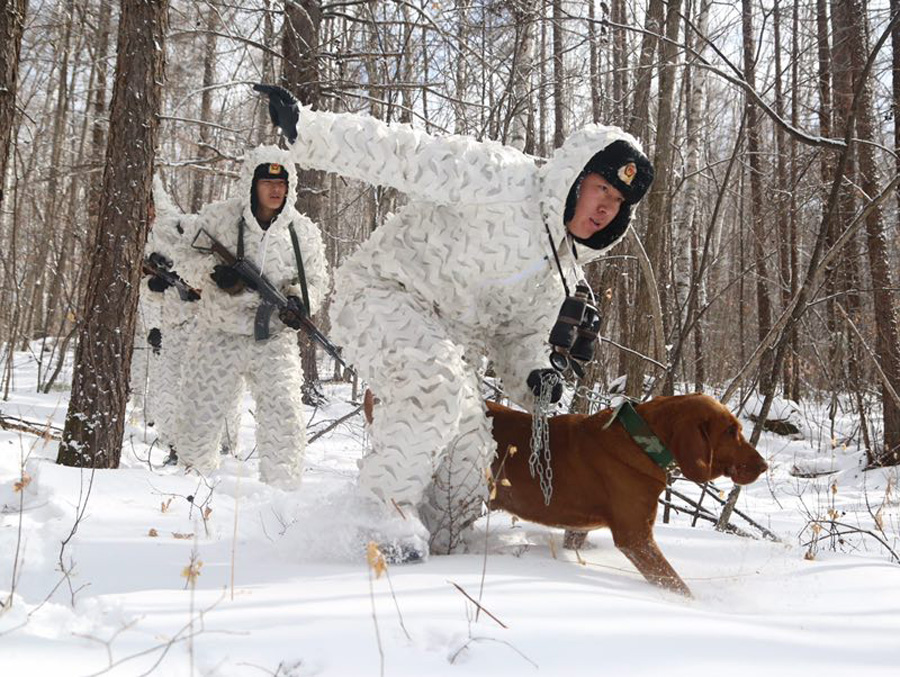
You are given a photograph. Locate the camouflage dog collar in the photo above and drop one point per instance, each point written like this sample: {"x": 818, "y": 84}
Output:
{"x": 641, "y": 433}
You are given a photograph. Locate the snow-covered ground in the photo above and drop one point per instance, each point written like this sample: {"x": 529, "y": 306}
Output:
{"x": 280, "y": 590}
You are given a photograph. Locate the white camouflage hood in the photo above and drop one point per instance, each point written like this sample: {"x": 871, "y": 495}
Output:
{"x": 563, "y": 168}
{"x": 265, "y": 155}
{"x": 162, "y": 201}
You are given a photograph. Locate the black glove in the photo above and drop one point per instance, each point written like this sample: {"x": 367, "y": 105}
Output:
{"x": 158, "y": 284}
{"x": 158, "y": 260}
{"x": 282, "y": 109}
{"x": 554, "y": 381}
{"x": 154, "y": 338}
{"x": 227, "y": 279}
{"x": 292, "y": 313}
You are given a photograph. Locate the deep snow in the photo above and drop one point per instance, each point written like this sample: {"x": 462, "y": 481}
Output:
{"x": 291, "y": 594}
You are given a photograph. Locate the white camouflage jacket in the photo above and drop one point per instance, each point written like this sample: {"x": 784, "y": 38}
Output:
{"x": 472, "y": 244}
{"x": 270, "y": 250}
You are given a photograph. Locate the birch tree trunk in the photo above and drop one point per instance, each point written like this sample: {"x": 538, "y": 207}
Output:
{"x": 209, "y": 75}
{"x": 521, "y": 133}
{"x": 696, "y": 294}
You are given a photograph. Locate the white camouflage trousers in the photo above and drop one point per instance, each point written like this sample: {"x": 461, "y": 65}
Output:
{"x": 218, "y": 365}
{"x": 431, "y": 440}
{"x": 156, "y": 373}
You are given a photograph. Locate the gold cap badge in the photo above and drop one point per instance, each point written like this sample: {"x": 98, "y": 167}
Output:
{"x": 627, "y": 173}
{"x": 274, "y": 168}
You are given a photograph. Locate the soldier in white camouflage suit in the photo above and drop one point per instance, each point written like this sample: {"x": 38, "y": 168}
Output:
{"x": 156, "y": 372}
{"x": 465, "y": 269}
{"x": 164, "y": 325}
{"x": 223, "y": 354}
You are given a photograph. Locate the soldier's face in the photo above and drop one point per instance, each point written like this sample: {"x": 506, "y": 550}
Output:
{"x": 271, "y": 193}
{"x": 598, "y": 204}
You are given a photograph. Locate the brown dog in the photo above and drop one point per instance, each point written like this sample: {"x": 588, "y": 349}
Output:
{"x": 602, "y": 478}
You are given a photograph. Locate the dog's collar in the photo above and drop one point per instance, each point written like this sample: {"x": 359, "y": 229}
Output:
{"x": 641, "y": 433}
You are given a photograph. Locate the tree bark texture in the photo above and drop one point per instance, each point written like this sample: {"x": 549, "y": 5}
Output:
{"x": 12, "y": 25}
{"x": 300, "y": 74}
{"x": 95, "y": 420}
{"x": 658, "y": 234}
{"x": 559, "y": 77}
{"x": 757, "y": 172}
{"x": 887, "y": 329}
{"x": 638, "y": 122}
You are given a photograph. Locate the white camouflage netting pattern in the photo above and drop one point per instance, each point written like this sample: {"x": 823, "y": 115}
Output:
{"x": 156, "y": 375}
{"x": 465, "y": 268}
{"x": 223, "y": 354}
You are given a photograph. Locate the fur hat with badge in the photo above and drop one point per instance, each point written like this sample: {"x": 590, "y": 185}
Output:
{"x": 629, "y": 171}
{"x": 267, "y": 170}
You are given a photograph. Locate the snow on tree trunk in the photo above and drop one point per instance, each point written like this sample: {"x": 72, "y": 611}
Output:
{"x": 95, "y": 420}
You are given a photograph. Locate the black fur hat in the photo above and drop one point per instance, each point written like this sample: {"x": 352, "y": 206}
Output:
{"x": 630, "y": 172}
{"x": 625, "y": 167}
{"x": 270, "y": 170}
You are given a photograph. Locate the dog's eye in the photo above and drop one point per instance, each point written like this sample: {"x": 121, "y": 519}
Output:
{"x": 732, "y": 430}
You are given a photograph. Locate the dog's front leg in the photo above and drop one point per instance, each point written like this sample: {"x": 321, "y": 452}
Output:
{"x": 649, "y": 560}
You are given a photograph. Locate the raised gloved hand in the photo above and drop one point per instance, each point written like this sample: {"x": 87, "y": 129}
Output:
{"x": 227, "y": 279}
{"x": 546, "y": 378}
{"x": 291, "y": 314}
{"x": 282, "y": 109}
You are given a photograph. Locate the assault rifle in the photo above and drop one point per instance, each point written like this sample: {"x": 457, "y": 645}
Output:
{"x": 272, "y": 298}
{"x": 160, "y": 267}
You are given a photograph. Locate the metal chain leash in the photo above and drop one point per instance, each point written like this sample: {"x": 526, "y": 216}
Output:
{"x": 597, "y": 400}
{"x": 539, "y": 461}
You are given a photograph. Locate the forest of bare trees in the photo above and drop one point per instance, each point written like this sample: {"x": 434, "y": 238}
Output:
{"x": 766, "y": 256}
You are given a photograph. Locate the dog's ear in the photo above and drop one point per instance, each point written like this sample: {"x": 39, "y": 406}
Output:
{"x": 691, "y": 448}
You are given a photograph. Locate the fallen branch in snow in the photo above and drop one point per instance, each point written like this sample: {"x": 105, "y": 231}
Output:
{"x": 334, "y": 424}
{"x": 707, "y": 516}
{"x": 756, "y": 525}
{"x": 44, "y": 430}
{"x": 479, "y": 606}
{"x": 700, "y": 512}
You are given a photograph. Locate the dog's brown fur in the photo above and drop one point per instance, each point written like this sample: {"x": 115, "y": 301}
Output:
{"x": 602, "y": 478}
